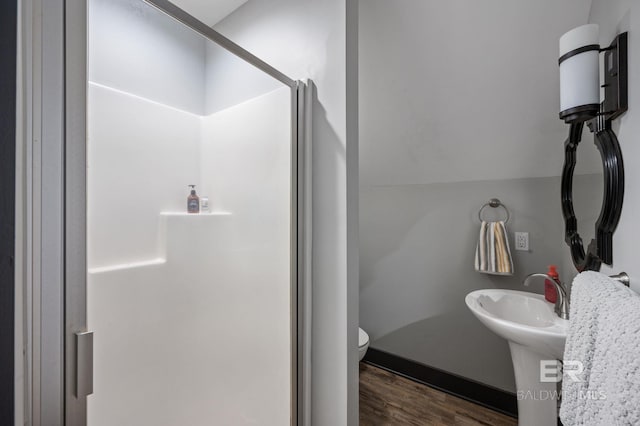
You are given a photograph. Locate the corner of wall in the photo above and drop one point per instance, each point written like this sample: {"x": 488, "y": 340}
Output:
{"x": 353, "y": 201}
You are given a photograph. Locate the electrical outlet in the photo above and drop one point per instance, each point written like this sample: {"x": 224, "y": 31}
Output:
{"x": 522, "y": 241}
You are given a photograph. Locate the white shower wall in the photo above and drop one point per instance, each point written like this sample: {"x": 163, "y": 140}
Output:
{"x": 141, "y": 157}
{"x": 136, "y": 48}
{"x": 191, "y": 313}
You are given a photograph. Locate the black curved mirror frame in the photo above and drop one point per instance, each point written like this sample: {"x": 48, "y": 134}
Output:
{"x": 600, "y": 249}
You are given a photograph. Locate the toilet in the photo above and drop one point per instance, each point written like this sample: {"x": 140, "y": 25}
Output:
{"x": 363, "y": 342}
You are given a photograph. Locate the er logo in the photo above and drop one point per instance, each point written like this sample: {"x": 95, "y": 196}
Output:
{"x": 551, "y": 370}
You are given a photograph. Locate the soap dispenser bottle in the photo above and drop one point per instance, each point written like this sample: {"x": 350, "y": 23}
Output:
{"x": 193, "y": 201}
{"x": 550, "y": 292}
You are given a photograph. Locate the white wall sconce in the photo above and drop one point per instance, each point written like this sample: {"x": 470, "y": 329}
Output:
{"x": 579, "y": 74}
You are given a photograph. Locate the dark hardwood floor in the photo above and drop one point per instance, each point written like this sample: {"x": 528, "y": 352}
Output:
{"x": 389, "y": 399}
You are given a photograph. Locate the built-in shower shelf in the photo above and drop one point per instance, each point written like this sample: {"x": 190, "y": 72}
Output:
{"x": 130, "y": 265}
{"x": 185, "y": 214}
{"x": 178, "y": 234}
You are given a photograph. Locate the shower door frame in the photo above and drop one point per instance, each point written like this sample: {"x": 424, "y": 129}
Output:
{"x": 75, "y": 220}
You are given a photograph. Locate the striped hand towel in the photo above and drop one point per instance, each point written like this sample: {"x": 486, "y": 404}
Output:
{"x": 493, "y": 255}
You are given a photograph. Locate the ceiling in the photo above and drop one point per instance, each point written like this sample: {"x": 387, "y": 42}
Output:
{"x": 208, "y": 11}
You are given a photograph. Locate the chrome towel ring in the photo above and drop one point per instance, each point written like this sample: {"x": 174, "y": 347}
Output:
{"x": 494, "y": 203}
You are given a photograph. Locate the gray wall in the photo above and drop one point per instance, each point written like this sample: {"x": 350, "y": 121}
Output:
{"x": 417, "y": 244}
{"x": 457, "y": 90}
{"x": 458, "y": 104}
{"x": 615, "y": 16}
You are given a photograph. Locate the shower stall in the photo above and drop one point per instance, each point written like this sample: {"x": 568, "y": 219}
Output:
{"x": 173, "y": 317}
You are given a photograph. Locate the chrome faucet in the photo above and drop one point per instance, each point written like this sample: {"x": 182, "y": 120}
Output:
{"x": 562, "y": 302}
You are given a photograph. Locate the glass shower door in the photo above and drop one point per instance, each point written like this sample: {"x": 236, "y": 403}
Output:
{"x": 192, "y": 312}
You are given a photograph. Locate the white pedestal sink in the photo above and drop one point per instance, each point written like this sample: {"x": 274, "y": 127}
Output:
{"x": 534, "y": 333}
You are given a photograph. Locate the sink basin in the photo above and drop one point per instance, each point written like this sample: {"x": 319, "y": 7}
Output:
{"x": 521, "y": 317}
{"x": 536, "y": 336}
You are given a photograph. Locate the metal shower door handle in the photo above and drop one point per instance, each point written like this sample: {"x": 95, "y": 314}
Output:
{"x": 84, "y": 363}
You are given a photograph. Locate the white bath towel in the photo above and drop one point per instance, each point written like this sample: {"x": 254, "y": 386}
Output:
{"x": 493, "y": 255}
{"x": 604, "y": 335}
